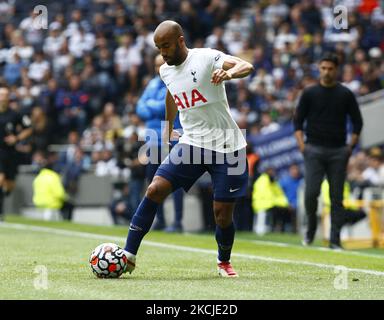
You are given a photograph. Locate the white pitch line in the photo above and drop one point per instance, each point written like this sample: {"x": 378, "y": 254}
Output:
{"x": 289, "y": 245}
{"x": 87, "y": 235}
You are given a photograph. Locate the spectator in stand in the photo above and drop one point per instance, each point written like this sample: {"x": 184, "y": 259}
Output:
{"x": 189, "y": 19}
{"x": 284, "y": 36}
{"x": 4, "y": 54}
{"x": 120, "y": 208}
{"x": 55, "y": 41}
{"x": 8, "y": 31}
{"x": 21, "y": 48}
{"x": 106, "y": 73}
{"x": 13, "y": 71}
{"x": 275, "y": 11}
{"x": 93, "y": 136}
{"x": 73, "y": 169}
{"x": 7, "y": 11}
{"x": 349, "y": 79}
{"x": 111, "y": 124}
{"x": 121, "y": 27}
{"x": 77, "y": 22}
{"x": 107, "y": 165}
{"x": 42, "y": 130}
{"x": 34, "y": 36}
{"x": 310, "y": 15}
{"x": 258, "y": 35}
{"x": 261, "y": 81}
{"x": 100, "y": 25}
{"x": 268, "y": 125}
{"x": 67, "y": 155}
{"x": 144, "y": 40}
{"x": 134, "y": 162}
{"x": 373, "y": 174}
{"x": 237, "y": 25}
{"x": 216, "y": 13}
{"x": 213, "y": 39}
{"x": 47, "y": 100}
{"x": 133, "y": 123}
{"x": 39, "y": 68}
{"x": 72, "y": 105}
{"x": 81, "y": 42}
{"x": 62, "y": 60}
{"x": 127, "y": 61}
{"x": 27, "y": 94}
{"x": 317, "y": 49}
{"x": 290, "y": 184}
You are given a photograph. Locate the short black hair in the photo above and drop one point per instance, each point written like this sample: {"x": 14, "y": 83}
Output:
{"x": 330, "y": 56}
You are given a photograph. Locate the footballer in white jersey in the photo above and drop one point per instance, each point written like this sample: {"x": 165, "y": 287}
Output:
{"x": 203, "y": 106}
{"x": 211, "y": 142}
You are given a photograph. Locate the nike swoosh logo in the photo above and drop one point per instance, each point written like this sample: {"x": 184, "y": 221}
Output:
{"x": 134, "y": 228}
{"x": 233, "y": 190}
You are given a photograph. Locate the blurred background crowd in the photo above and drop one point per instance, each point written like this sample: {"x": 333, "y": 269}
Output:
{"x": 80, "y": 79}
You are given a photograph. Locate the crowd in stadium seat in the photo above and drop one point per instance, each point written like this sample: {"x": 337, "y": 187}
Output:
{"x": 86, "y": 72}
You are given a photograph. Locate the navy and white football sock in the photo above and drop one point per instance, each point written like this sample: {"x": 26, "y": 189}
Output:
{"x": 140, "y": 224}
{"x": 178, "y": 203}
{"x": 225, "y": 238}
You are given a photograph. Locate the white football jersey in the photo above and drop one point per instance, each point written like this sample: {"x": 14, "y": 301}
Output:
{"x": 203, "y": 107}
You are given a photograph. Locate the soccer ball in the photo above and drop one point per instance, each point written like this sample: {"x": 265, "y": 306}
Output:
{"x": 108, "y": 260}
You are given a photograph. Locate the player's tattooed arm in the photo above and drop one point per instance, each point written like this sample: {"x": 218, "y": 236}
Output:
{"x": 170, "y": 115}
{"x": 233, "y": 68}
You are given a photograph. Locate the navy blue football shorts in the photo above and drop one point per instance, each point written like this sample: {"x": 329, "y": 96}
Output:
{"x": 186, "y": 163}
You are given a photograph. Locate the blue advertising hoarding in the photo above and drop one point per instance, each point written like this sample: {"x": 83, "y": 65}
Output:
{"x": 277, "y": 149}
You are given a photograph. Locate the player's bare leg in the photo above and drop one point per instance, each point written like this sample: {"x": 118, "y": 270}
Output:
{"x": 159, "y": 189}
{"x": 143, "y": 218}
{"x": 225, "y": 234}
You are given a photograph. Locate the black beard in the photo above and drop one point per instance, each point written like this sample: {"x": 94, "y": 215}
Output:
{"x": 328, "y": 80}
{"x": 177, "y": 59}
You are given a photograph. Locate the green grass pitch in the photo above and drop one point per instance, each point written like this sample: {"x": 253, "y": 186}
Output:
{"x": 178, "y": 266}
